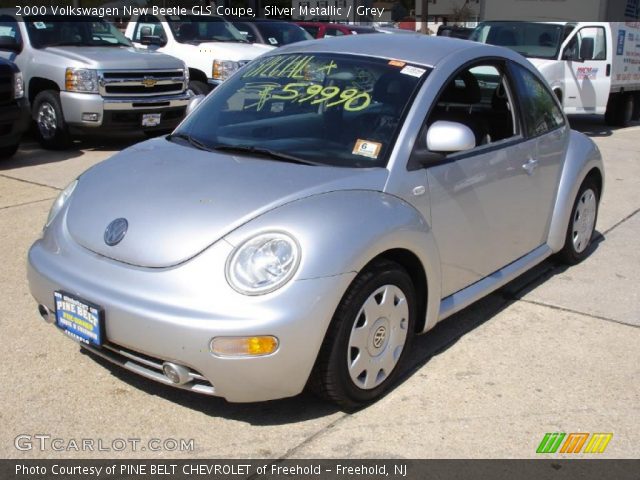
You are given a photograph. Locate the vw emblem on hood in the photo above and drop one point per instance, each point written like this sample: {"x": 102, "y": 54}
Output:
{"x": 116, "y": 231}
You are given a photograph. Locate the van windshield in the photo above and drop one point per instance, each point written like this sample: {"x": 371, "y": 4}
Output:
{"x": 321, "y": 108}
{"x": 530, "y": 39}
{"x": 50, "y": 31}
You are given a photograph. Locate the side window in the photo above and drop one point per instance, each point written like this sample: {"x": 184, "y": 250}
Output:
{"x": 9, "y": 31}
{"x": 590, "y": 44}
{"x": 332, "y": 32}
{"x": 540, "y": 111}
{"x": 149, "y": 26}
{"x": 479, "y": 98}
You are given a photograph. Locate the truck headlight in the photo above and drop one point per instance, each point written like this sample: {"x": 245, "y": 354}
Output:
{"x": 263, "y": 263}
{"x": 81, "y": 80}
{"x": 18, "y": 85}
{"x": 60, "y": 202}
{"x": 223, "y": 69}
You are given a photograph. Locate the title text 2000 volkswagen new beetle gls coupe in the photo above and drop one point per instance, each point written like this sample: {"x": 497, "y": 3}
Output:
{"x": 320, "y": 208}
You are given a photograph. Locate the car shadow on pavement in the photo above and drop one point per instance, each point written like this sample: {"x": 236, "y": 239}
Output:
{"x": 593, "y": 125}
{"x": 306, "y": 406}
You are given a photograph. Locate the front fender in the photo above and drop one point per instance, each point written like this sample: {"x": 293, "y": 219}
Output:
{"x": 341, "y": 232}
{"x": 582, "y": 156}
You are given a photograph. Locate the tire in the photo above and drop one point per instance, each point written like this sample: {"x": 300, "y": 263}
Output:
{"x": 620, "y": 110}
{"x": 582, "y": 223}
{"x": 363, "y": 338}
{"x": 199, "y": 88}
{"x": 8, "y": 151}
{"x": 51, "y": 129}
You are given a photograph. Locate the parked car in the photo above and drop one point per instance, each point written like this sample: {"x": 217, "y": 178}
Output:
{"x": 325, "y": 29}
{"x": 81, "y": 74}
{"x": 270, "y": 32}
{"x": 332, "y": 200}
{"x": 14, "y": 110}
{"x": 212, "y": 48}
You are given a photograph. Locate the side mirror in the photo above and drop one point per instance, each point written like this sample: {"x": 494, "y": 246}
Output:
{"x": 448, "y": 137}
{"x": 587, "y": 46}
{"x": 194, "y": 102}
{"x": 10, "y": 43}
{"x": 152, "y": 40}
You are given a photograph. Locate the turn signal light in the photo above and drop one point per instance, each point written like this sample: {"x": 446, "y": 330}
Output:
{"x": 243, "y": 346}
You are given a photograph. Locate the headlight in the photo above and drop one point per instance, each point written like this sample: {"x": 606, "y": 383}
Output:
{"x": 186, "y": 76}
{"x": 81, "y": 80}
{"x": 18, "y": 85}
{"x": 60, "y": 202}
{"x": 223, "y": 69}
{"x": 263, "y": 263}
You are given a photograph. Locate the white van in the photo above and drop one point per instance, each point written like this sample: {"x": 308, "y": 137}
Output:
{"x": 593, "y": 67}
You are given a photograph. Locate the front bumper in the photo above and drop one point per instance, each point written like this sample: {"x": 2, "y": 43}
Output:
{"x": 14, "y": 121}
{"x": 171, "y": 314}
{"x": 122, "y": 113}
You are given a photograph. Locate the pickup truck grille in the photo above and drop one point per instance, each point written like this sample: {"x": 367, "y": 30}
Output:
{"x": 141, "y": 83}
{"x": 6, "y": 87}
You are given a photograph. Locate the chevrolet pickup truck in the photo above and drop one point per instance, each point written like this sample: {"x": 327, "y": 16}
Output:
{"x": 14, "y": 112}
{"x": 212, "y": 48}
{"x": 81, "y": 74}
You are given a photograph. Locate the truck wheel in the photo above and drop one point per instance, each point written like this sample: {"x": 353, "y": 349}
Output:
{"x": 582, "y": 224}
{"x": 8, "y": 151}
{"x": 636, "y": 107}
{"x": 620, "y": 110}
{"x": 51, "y": 128}
{"x": 368, "y": 339}
{"x": 198, "y": 88}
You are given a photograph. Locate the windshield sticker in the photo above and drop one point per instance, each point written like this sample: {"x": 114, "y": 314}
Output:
{"x": 273, "y": 41}
{"x": 396, "y": 63}
{"x": 352, "y": 99}
{"x": 277, "y": 107}
{"x": 367, "y": 148}
{"x": 413, "y": 71}
{"x": 39, "y": 25}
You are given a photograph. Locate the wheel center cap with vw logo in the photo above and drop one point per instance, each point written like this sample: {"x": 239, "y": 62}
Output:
{"x": 116, "y": 231}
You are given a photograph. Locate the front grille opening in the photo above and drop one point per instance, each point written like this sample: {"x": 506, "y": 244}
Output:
{"x": 140, "y": 75}
{"x": 141, "y": 89}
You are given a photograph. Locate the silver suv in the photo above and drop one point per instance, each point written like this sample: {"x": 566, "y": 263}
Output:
{"x": 82, "y": 74}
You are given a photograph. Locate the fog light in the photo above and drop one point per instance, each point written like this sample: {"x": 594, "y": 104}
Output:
{"x": 243, "y": 346}
{"x": 176, "y": 373}
{"x": 90, "y": 117}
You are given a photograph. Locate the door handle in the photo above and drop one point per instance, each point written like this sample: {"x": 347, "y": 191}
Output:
{"x": 530, "y": 166}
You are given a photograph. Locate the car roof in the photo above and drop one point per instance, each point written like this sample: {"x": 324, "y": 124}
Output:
{"x": 412, "y": 48}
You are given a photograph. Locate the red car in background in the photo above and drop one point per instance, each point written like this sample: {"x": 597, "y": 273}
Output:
{"x": 323, "y": 29}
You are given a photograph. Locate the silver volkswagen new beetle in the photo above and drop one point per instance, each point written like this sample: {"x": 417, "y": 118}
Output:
{"x": 330, "y": 201}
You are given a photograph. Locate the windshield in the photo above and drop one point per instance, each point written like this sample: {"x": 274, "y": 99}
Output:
{"x": 49, "y": 31}
{"x": 331, "y": 109}
{"x": 282, "y": 33}
{"x": 537, "y": 40}
{"x": 191, "y": 28}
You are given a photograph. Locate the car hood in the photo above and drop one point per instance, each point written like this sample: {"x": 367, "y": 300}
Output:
{"x": 179, "y": 200}
{"x": 231, "y": 50}
{"x": 117, "y": 58}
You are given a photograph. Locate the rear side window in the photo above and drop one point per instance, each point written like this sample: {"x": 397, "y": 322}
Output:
{"x": 539, "y": 108}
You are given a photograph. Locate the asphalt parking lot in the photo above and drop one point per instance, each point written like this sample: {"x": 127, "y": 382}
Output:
{"x": 557, "y": 350}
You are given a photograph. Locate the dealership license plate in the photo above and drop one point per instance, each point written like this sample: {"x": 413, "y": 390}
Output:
{"x": 81, "y": 320}
{"x": 151, "y": 119}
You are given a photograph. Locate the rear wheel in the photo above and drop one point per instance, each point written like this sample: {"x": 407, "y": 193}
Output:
{"x": 582, "y": 224}
{"x": 368, "y": 338}
{"x": 620, "y": 110}
{"x": 51, "y": 128}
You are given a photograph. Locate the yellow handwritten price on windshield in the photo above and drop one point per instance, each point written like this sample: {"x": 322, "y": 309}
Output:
{"x": 353, "y": 99}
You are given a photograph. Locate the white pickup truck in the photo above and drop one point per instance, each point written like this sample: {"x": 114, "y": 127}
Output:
{"x": 212, "y": 48}
{"x": 593, "y": 67}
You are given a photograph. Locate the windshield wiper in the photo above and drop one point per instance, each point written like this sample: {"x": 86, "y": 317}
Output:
{"x": 192, "y": 141}
{"x": 264, "y": 152}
